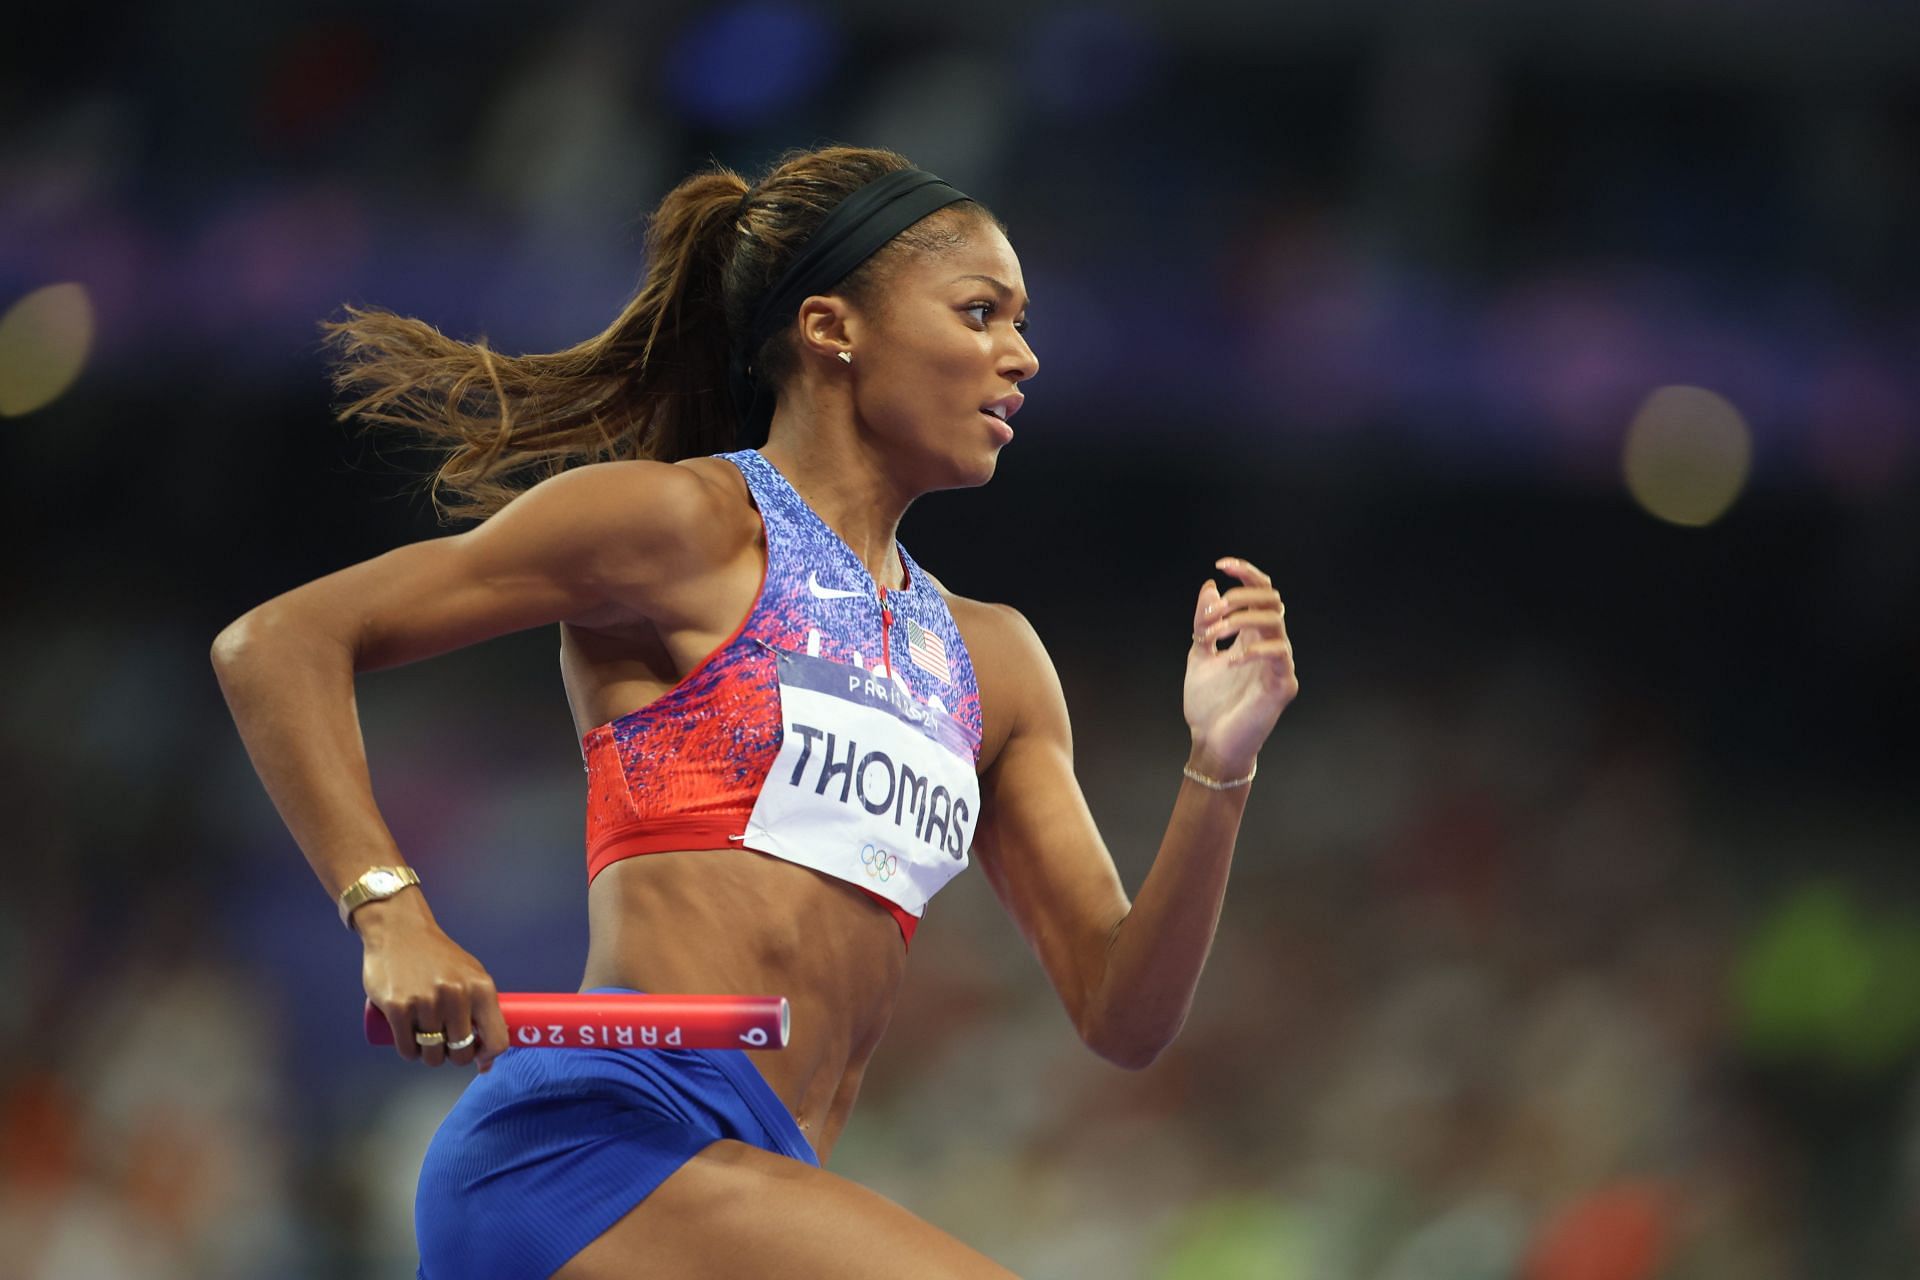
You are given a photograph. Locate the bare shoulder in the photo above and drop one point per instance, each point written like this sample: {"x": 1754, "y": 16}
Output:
{"x": 594, "y": 545}
{"x": 647, "y": 528}
{"x": 988, "y": 627}
{"x": 664, "y": 498}
{"x": 636, "y": 510}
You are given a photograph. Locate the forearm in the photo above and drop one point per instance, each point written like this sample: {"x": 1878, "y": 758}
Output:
{"x": 1157, "y": 951}
{"x": 290, "y": 689}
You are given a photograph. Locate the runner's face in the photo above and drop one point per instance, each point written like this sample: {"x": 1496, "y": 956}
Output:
{"x": 947, "y": 341}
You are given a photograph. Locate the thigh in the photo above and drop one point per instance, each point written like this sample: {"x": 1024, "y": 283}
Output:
{"x": 736, "y": 1210}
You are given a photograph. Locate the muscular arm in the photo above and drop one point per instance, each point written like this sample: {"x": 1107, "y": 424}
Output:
{"x": 589, "y": 544}
{"x": 1126, "y": 972}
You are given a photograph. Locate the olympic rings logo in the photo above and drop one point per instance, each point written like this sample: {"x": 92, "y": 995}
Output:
{"x": 880, "y": 864}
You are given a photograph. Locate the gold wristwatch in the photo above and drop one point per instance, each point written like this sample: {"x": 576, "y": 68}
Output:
{"x": 374, "y": 884}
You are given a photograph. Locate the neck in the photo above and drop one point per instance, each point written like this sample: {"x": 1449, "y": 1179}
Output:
{"x": 850, "y": 488}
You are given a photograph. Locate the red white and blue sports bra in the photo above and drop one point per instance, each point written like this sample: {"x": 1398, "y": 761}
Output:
{"x": 838, "y": 727}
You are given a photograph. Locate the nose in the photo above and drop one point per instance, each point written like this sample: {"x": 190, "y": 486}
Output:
{"x": 1018, "y": 361}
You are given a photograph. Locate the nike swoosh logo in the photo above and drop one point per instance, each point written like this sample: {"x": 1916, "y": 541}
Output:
{"x": 830, "y": 593}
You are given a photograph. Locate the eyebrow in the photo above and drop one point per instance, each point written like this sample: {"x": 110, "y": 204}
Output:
{"x": 1005, "y": 290}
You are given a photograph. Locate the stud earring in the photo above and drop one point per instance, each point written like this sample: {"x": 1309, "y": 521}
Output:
{"x": 846, "y": 356}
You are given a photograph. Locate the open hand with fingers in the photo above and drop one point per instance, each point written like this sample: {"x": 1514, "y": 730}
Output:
{"x": 1234, "y": 695}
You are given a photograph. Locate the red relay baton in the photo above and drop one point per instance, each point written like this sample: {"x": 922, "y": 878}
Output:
{"x": 540, "y": 1020}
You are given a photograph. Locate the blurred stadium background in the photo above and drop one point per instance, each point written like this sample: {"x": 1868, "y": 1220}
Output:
{"x": 1559, "y": 362}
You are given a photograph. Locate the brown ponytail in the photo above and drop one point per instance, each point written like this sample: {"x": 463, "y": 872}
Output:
{"x": 508, "y": 422}
{"x": 654, "y": 383}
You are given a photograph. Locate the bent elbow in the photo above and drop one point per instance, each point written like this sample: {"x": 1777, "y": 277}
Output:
{"x": 1128, "y": 1055}
{"x": 1132, "y": 1058}
{"x": 229, "y": 645}
{"x": 260, "y": 635}
{"x": 238, "y": 641}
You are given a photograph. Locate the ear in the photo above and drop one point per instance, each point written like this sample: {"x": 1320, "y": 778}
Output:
{"x": 826, "y": 326}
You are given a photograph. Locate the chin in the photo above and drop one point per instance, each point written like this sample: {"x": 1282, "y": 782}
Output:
{"x": 976, "y": 470}
{"x": 952, "y": 464}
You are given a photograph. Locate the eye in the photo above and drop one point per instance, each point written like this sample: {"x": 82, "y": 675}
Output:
{"x": 986, "y": 308}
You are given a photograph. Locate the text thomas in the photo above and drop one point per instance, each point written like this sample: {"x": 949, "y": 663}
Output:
{"x": 880, "y": 784}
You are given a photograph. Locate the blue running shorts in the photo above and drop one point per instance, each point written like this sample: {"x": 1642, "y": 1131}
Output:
{"x": 552, "y": 1146}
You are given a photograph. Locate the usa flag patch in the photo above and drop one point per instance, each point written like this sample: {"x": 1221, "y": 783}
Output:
{"x": 928, "y": 652}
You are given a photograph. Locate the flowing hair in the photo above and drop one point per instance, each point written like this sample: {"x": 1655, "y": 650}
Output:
{"x": 653, "y": 384}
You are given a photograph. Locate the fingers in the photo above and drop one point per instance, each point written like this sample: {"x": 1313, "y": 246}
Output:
{"x": 1254, "y": 610}
{"x": 492, "y": 1027}
{"x": 400, "y": 1018}
{"x": 433, "y": 1050}
{"x": 1268, "y": 622}
{"x": 1243, "y": 570}
{"x": 1214, "y": 603}
{"x": 1240, "y": 599}
{"x": 1277, "y": 653}
{"x": 457, "y": 1022}
{"x": 1205, "y": 607}
{"x": 1247, "y": 606}
{"x": 428, "y": 1022}
{"x": 1248, "y": 597}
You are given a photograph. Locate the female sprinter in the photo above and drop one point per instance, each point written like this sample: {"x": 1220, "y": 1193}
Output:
{"x": 870, "y": 321}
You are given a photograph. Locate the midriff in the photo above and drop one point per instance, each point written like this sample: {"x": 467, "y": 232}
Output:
{"x": 733, "y": 921}
{"x": 700, "y": 831}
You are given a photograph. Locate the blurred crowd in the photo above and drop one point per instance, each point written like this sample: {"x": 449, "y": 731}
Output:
{"x": 1503, "y": 988}
{"x": 1573, "y": 932}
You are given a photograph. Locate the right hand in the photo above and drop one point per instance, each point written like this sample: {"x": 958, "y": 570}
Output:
{"x": 422, "y": 980}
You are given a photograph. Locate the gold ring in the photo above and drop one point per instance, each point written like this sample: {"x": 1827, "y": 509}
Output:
{"x": 464, "y": 1042}
{"x": 426, "y": 1039}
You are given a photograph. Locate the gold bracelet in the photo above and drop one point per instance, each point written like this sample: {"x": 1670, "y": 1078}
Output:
{"x": 1215, "y": 783}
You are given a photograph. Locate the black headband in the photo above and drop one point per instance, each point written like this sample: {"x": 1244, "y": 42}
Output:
{"x": 852, "y": 233}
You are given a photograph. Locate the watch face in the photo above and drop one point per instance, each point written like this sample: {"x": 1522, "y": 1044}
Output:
{"x": 384, "y": 882}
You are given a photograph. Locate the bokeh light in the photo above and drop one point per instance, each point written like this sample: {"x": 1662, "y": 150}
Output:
{"x": 1617, "y": 1233}
{"x": 44, "y": 341}
{"x": 1687, "y": 455}
{"x": 1826, "y": 979}
{"x": 1239, "y": 1239}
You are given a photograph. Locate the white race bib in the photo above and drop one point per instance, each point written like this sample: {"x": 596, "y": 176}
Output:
{"x": 870, "y": 785}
